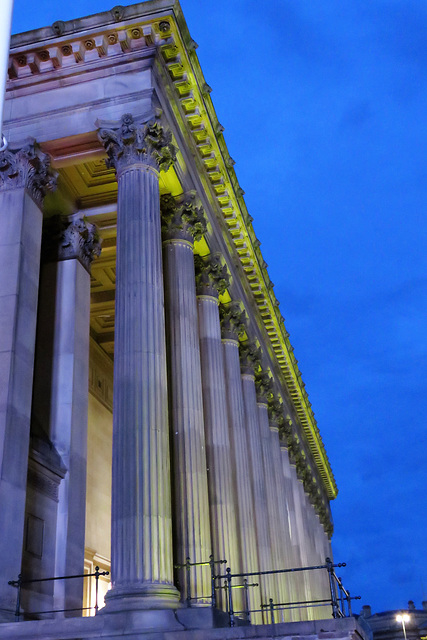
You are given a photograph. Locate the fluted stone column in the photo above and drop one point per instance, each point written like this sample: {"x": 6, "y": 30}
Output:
{"x": 263, "y": 385}
{"x": 24, "y": 180}
{"x": 182, "y": 222}
{"x": 212, "y": 279}
{"x": 249, "y": 361}
{"x": 275, "y": 414}
{"x": 298, "y": 490}
{"x": 141, "y": 527}
{"x": 60, "y": 398}
{"x": 297, "y": 581}
{"x": 232, "y": 324}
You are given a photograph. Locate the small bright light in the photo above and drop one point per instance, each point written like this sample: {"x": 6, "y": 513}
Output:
{"x": 402, "y": 618}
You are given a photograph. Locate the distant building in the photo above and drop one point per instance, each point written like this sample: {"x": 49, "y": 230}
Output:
{"x": 385, "y": 625}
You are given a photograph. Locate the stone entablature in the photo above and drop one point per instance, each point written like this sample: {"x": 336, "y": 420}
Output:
{"x": 126, "y": 31}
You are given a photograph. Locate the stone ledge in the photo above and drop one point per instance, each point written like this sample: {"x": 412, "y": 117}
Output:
{"x": 113, "y": 626}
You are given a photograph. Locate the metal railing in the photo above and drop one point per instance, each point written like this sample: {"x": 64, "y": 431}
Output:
{"x": 22, "y": 581}
{"x": 211, "y": 563}
{"x": 336, "y": 602}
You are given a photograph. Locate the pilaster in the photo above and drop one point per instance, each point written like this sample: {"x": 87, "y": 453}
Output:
{"x": 60, "y": 396}
{"x": 25, "y": 178}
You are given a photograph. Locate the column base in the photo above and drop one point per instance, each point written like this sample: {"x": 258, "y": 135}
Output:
{"x": 141, "y": 597}
{"x": 202, "y": 617}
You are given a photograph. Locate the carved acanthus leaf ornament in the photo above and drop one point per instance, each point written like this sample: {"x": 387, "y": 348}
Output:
{"x": 71, "y": 238}
{"x": 182, "y": 219}
{"x": 250, "y": 357}
{"x": 132, "y": 143}
{"x": 212, "y": 277}
{"x": 27, "y": 168}
{"x": 233, "y": 320}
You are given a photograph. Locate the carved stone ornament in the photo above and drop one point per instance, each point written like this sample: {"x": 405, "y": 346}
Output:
{"x": 182, "y": 219}
{"x": 233, "y": 320}
{"x": 27, "y": 168}
{"x": 263, "y": 384}
{"x": 211, "y": 276}
{"x": 250, "y": 357}
{"x": 71, "y": 238}
{"x": 275, "y": 411}
{"x": 132, "y": 143}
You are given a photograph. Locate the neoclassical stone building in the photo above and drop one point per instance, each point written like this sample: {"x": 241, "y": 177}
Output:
{"x": 152, "y": 409}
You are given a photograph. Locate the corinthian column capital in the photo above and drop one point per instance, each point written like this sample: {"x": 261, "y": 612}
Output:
{"x": 130, "y": 143}
{"x": 71, "y": 238}
{"x": 263, "y": 383}
{"x": 182, "y": 218}
{"x": 212, "y": 277}
{"x": 250, "y": 357}
{"x": 275, "y": 413}
{"x": 233, "y": 320}
{"x": 27, "y": 168}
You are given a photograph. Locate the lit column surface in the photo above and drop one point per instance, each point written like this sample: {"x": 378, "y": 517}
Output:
{"x": 282, "y": 525}
{"x": 232, "y": 320}
{"x": 182, "y": 221}
{"x": 141, "y": 527}
{"x": 249, "y": 358}
{"x": 298, "y": 579}
{"x": 211, "y": 280}
{"x": 24, "y": 180}
{"x": 278, "y": 580}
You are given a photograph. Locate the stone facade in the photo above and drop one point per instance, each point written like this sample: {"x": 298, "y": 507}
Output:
{"x": 134, "y": 291}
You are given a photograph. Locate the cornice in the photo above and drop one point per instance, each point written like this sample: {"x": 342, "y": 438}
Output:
{"x": 158, "y": 27}
{"x": 193, "y": 93}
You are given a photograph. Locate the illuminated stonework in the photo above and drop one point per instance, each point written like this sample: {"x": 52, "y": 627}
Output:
{"x": 166, "y": 351}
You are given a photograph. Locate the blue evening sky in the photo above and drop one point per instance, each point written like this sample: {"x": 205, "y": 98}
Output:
{"x": 324, "y": 106}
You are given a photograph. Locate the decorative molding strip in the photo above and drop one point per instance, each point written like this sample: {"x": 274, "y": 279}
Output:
{"x": 100, "y": 375}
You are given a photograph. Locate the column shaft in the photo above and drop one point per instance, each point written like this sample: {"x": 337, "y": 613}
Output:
{"x": 141, "y": 531}
{"x": 241, "y": 466}
{"x": 297, "y": 582}
{"x": 220, "y": 473}
{"x": 272, "y": 504}
{"x": 257, "y": 475}
{"x": 192, "y": 536}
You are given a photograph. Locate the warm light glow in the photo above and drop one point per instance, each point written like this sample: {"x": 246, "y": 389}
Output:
{"x": 402, "y": 617}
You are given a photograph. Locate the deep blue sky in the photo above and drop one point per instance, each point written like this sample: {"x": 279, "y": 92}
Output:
{"x": 324, "y": 107}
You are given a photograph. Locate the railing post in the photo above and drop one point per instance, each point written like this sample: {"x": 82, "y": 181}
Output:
{"x": 332, "y": 586}
{"x": 96, "y": 589}
{"x": 230, "y": 597}
{"x": 272, "y": 610}
{"x": 188, "y": 569}
{"x": 212, "y": 566}
{"x": 349, "y": 603}
{"x": 246, "y": 589}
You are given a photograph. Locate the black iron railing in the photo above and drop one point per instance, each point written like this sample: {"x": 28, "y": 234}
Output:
{"x": 187, "y": 566}
{"x": 22, "y": 581}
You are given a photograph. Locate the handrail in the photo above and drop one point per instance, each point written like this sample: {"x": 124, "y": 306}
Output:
{"x": 18, "y": 583}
